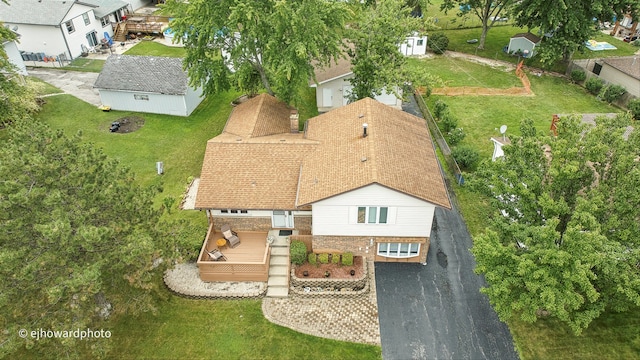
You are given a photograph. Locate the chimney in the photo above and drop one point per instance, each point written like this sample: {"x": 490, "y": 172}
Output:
{"x": 293, "y": 120}
{"x": 364, "y": 130}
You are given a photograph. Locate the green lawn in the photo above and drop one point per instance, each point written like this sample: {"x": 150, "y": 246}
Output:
{"x": 222, "y": 329}
{"x": 459, "y": 72}
{"x": 612, "y": 336}
{"x": 481, "y": 116}
{"x": 153, "y": 48}
{"x": 85, "y": 64}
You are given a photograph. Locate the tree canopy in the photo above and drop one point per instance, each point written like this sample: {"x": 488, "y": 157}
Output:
{"x": 79, "y": 240}
{"x": 488, "y": 11}
{"x": 270, "y": 44}
{"x": 564, "y": 241}
{"x": 568, "y": 23}
{"x": 376, "y": 61}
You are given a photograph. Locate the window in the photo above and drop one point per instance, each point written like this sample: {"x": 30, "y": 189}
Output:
{"x": 69, "y": 25}
{"x": 141, "y": 97}
{"x": 420, "y": 42}
{"x": 86, "y": 19}
{"x": 372, "y": 215}
{"x": 234, "y": 211}
{"x": 104, "y": 21}
{"x": 398, "y": 250}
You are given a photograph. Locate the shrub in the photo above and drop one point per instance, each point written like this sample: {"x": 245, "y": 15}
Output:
{"x": 438, "y": 43}
{"x": 335, "y": 258}
{"x": 634, "y": 106}
{"x": 636, "y": 42}
{"x": 298, "y": 252}
{"x": 449, "y": 122}
{"x": 594, "y": 85}
{"x": 347, "y": 258}
{"x": 611, "y": 93}
{"x": 313, "y": 259}
{"x": 455, "y": 136}
{"x": 439, "y": 109}
{"x": 465, "y": 156}
{"x": 323, "y": 258}
{"x": 578, "y": 76}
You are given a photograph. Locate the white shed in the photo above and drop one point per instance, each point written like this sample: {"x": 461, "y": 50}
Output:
{"x": 149, "y": 84}
{"x": 524, "y": 42}
{"x": 414, "y": 44}
{"x": 14, "y": 57}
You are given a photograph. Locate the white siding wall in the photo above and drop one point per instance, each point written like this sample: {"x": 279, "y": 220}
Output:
{"x": 14, "y": 56}
{"x": 407, "y": 217}
{"x": 411, "y": 46}
{"x": 616, "y": 76}
{"x": 336, "y": 90}
{"x": 79, "y": 36}
{"x": 193, "y": 98}
{"x": 522, "y": 44}
{"x": 157, "y": 103}
{"x": 137, "y": 4}
{"x": 41, "y": 39}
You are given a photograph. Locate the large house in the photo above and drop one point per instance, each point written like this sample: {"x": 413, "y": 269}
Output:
{"x": 151, "y": 84}
{"x": 63, "y": 28}
{"x": 363, "y": 178}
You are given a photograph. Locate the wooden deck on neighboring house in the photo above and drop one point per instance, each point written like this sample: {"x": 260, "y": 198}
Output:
{"x": 249, "y": 261}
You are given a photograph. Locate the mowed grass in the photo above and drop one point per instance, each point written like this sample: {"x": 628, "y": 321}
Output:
{"x": 481, "y": 116}
{"x": 456, "y": 72}
{"x": 154, "y": 48}
{"x": 85, "y": 65}
{"x": 222, "y": 329}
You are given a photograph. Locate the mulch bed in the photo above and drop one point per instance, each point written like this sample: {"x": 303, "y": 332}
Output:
{"x": 337, "y": 271}
{"x": 130, "y": 124}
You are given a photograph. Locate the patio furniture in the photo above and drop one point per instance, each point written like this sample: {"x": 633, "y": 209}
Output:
{"x": 216, "y": 255}
{"x": 221, "y": 243}
{"x": 230, "y": 235}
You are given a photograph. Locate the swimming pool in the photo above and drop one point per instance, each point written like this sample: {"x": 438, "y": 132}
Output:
{"x": 598, "y": 46}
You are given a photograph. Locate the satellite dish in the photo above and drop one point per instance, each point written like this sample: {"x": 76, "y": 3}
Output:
{"x": 503, "y": 129}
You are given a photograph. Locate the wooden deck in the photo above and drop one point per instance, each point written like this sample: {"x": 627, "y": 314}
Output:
{"x": 249, "y": 261}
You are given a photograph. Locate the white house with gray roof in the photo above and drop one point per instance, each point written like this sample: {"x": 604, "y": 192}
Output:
{"x": 65, "y": 28}
{"x": 149, "y": 84}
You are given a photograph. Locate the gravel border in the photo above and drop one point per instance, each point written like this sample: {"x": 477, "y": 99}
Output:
{"x": 184, "y": 280}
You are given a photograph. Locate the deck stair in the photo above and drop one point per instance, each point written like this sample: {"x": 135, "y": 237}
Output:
{"x": 120, "y": 34}
{"x": 278, "y": 283}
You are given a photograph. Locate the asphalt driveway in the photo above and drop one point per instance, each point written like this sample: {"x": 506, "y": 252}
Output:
{"x": 436, "y": 311}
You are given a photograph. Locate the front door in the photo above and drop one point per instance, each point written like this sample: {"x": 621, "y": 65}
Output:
{"x": 282, "y": 219}
{"x": 92, "y": 39}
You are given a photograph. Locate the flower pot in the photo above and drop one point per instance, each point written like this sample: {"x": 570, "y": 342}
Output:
{"x": 305, "y": 273}
{"x": 352, "y": 272}
{"x": 327, "y": 274}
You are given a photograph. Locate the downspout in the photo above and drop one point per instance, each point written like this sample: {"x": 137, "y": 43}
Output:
{"x": 65, "y": 43}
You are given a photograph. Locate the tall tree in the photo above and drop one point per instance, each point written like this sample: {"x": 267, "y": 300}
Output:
{"x": 376, "y": 61}
{"x": 78, "y": 241}
{"x": 273, "y": 43}
{"x": 488, "y": 11}
{"x": 564, "y": 241}
{"x": 17, "y": 95}
{"x": 569, "y": 23}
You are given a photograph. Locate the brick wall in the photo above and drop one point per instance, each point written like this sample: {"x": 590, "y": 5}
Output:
{"x": 360, "y": 246}
{"x": 302, "y": 224}
{"x": 245, "y": 223}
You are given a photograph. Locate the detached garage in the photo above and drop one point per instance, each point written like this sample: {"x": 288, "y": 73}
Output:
{"x": 148, "y": 84}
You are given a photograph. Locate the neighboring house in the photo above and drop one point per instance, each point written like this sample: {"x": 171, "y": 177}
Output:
{"x": 414, "y": 45}
{"x": 147, "y": 84}
{"x": 14, "y": 57}
{"x": 623, "y": 71}
{"x": 333, "y": 88}
{"x": 525, "y": 43}
{"x": 62, "y": 28}
{"x": 372, "y": 192}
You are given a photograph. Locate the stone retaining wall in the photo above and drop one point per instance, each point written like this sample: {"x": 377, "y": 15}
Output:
{"x": 330, "y": 288}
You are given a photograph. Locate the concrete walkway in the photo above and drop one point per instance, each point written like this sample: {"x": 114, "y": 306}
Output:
{"x": 76, "y": 83}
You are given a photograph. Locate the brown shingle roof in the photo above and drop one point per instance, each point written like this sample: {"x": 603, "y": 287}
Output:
{"x": 397, "y": 154}
{"x": 289, "y": 171}
{"x": 339, "y": 69}
{"x": 529, "y": 36}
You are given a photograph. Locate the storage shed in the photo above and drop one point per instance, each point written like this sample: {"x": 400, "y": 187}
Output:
{"x": 149, "y": 84}
{"x": 524, "y": 42}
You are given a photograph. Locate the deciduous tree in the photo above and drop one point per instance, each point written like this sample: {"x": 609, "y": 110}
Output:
{"x": 273, "y": 43}
{"x": 564, "y": 239}
{"x": 488, "y": 11}
{"x": 78, "y": 241}
{"x": 569, "y": 23}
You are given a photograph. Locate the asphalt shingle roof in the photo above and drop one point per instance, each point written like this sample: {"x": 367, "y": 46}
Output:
{"x": 36, "y": 12}
{"x": 153, "y": 74}
{"x": 629, "y": 65}
{"x": 529, "y": 36}
{"x": 265, "y": 170}
{"x": 106, "y": 7}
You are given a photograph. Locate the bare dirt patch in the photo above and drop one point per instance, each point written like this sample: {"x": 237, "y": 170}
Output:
{"x": 336, "y": 271}
{"x": 129, "y": 124}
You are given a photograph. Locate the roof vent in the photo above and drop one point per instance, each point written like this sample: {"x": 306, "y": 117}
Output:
{"x": 364, "y": 130}
{"x": 363, "y": 159}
